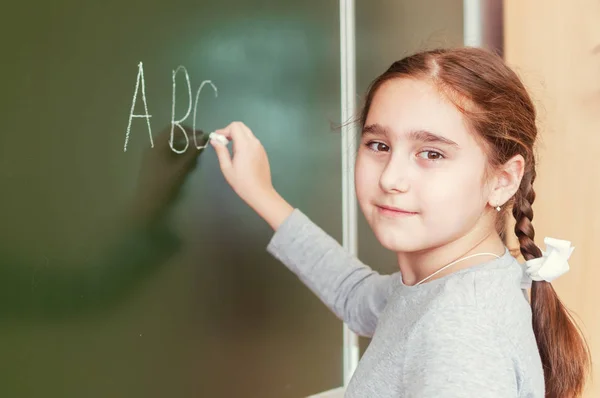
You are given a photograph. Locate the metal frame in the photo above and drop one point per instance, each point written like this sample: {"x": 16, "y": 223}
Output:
{"x": 349, "y": 208}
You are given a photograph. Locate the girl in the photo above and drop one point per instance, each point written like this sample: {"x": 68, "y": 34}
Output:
{"x": 446, "y": 148}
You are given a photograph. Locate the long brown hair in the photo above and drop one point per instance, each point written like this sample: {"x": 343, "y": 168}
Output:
{"x": 500, "y": 112}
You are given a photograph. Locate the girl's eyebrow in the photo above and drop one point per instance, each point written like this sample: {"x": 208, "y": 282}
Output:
{"x": 414, "y": 135}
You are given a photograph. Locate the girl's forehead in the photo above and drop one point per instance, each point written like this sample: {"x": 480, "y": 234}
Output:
{"x": 403, "y": 105}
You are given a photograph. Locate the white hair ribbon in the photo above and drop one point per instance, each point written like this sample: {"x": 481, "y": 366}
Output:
{"x": 552, "y": 264}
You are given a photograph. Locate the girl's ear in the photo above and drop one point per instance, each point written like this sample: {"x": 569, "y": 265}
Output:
{"x": 507, "y": 180}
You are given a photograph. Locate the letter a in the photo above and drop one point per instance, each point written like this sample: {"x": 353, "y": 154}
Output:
{"x": 140, "y": 76}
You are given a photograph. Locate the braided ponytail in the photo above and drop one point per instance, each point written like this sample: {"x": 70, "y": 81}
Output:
{"x": 564, "y": 353}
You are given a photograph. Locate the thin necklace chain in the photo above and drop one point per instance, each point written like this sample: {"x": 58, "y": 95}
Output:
{"x": 454, "y": 262}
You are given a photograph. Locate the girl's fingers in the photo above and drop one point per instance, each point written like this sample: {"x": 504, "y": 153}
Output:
{"x": 224, "y": 157}
{"x": 229, "y": 132}
{"x": 236, "y": 131}
{"x": 246, "y": 130}
{"x": 239, "y": 134}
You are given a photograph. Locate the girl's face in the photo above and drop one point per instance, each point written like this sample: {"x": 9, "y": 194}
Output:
{"x": 419, "y": 172}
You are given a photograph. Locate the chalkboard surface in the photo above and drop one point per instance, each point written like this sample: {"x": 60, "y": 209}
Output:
{"x": 128, "y": 269}
{"x": 138, "y": 272}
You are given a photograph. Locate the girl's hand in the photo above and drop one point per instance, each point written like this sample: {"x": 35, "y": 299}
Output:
{"x": 248, "y": 172}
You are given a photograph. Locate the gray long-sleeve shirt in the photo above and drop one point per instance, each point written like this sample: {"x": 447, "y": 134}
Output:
{"x": 467, "y": 334}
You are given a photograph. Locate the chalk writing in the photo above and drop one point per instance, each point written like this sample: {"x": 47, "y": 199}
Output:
{"x": 177, "y": 122}
{"x": 147, "y": 116}
{"x": 174, "y": 123}
{"x": 196, "y": 107}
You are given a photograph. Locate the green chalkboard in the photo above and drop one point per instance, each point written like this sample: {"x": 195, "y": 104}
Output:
{"x": 138, "y": 272}
{"x": 129, "y": 269}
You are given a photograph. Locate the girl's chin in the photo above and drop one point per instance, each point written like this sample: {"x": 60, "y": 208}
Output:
{"x": 398, "y": 242}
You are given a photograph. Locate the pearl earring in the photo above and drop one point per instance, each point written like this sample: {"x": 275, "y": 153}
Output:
{"x": 498, "y": 208}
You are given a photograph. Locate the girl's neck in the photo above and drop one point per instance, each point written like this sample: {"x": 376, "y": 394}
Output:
{"x": 416, "y": 266}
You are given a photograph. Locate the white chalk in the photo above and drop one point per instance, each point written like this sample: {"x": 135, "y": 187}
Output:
{"x": 218, "y": 137}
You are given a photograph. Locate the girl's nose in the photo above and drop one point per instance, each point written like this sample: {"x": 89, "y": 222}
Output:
{"x": 395, "y": 176}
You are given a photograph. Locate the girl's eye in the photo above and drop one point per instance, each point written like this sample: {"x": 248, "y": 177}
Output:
{"x": 430, "y": 155}
{"x": 377, "y": 146}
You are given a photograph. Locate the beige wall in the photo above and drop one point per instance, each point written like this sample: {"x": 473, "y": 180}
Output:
{"x": 553, "y": 45}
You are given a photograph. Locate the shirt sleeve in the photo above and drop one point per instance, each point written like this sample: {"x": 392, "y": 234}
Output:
{"x": 454, "y": 353}
{"x": 352, "y": 290}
